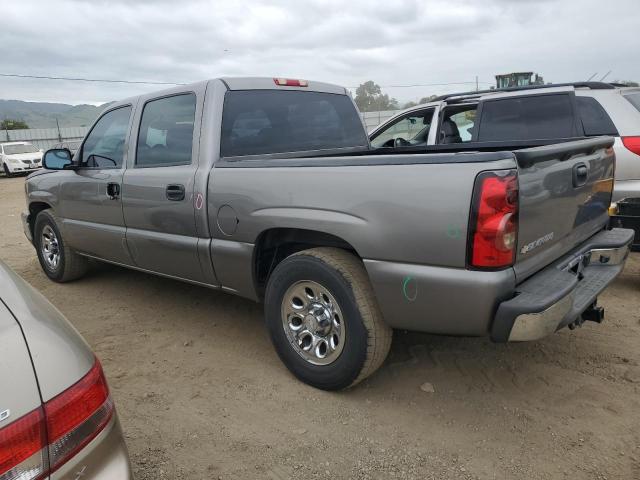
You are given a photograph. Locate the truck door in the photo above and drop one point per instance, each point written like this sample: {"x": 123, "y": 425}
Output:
{"x": 158, "y": 188}
{"x": 90, "y": 197}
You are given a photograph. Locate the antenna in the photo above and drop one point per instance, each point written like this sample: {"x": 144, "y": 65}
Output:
{"x": 591, "y": 77}
{"x": 605, "y": 75}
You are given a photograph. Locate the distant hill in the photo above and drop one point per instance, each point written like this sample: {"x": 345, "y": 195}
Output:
{"x": 43, "y": 115}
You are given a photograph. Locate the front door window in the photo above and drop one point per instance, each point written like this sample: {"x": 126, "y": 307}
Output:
{"x": 104, "y": 146}
{"x": 412, "y": 129}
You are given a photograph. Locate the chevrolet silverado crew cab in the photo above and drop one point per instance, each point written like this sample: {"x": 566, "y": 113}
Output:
{"x": 269, "y": 189}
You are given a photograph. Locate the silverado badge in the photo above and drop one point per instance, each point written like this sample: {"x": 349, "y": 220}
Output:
{"x": 536, "y": 243}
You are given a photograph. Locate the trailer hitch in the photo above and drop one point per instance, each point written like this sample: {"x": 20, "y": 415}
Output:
{"x": 593, "y": 314}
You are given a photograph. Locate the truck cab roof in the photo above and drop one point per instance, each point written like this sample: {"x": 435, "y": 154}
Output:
{"x": 276, "y": 83}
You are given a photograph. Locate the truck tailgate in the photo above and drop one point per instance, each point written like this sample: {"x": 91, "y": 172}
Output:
{"x": 565, "y": 192}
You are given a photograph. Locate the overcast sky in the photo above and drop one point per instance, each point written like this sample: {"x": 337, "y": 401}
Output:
{"x": 395, "y": 42}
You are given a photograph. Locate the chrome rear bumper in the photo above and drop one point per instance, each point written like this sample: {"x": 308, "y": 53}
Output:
{"x": 558, "y": 295}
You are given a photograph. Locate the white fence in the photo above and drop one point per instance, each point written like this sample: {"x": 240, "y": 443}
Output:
{"x": 43, "y": 138}
{"x": 373, "y": 119}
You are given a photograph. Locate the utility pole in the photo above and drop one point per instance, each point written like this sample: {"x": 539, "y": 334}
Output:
{"x": 477, "y": 89}
{"x": 59, "y": 135}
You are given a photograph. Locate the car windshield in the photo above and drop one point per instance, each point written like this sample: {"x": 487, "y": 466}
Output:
{"x": 21, "y": 148}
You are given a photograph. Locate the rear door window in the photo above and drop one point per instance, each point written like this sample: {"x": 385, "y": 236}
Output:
{"x": 634, "y": 99}
{"x": 534, "y": 117}
{"x": 458, "y": 123}
{"x": 166, "y": 132}
{"x": 267, "y": 121}
{"x": 595, "y": 120}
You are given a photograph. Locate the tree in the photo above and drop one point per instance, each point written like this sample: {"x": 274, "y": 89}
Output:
{"x": 9, "y": 124}
{"x": 410, "y": 104}
{"x": 369, "y": 98}
{"x": 627, "y": 83}
{"x": 420, "y": 102}
{"x": 428, "y": 99}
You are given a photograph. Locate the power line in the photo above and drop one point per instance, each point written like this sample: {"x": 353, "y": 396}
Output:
{"x": 431, "y": 84}
{"x": 145, "y": 82}
{"x": 74, "y": 79}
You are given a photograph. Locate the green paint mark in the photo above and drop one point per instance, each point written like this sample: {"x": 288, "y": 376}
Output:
{"x": 409, "y": 288}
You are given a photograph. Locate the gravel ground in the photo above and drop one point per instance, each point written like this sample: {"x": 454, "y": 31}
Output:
{"x": 201, "y": 393}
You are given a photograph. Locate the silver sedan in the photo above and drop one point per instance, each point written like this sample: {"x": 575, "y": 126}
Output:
{"x": 57, "y": 418}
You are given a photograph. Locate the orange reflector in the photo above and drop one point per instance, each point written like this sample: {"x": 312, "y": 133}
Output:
{"x": 290, "y": 82}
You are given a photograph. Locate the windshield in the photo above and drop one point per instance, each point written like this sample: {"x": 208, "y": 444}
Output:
{"x": 17, "y": 149}
{"x": 634, "y": 98}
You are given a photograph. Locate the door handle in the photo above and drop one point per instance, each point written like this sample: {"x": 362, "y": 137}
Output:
{"x": 175, "y": 192}
{"x": 580, "y": 174}
{"x": 113, "y": 191}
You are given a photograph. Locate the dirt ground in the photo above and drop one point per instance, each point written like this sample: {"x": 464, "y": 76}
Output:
{"x": 201, "y": 393}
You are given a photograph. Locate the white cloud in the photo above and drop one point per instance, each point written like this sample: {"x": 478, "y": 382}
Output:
{"x": 392, "y": 43}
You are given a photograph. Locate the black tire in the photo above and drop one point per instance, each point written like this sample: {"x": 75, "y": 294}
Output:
{"x": 368, "y": 338}
{"x": 70, "y": 266}
{"x": 7, "y": 173}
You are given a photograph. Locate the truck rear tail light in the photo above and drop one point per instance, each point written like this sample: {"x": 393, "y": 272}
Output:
{"x": 632, "y": 144}
{"x": 290, "y": 82}
{"x": 42, "y": 441}
{"x": 23, "y": 448}
{"x": 493, "y": 227}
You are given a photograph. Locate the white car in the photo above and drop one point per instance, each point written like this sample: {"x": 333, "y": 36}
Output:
{"x": 19, "y": 157}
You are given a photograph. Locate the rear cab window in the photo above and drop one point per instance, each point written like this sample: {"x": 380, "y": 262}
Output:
{"x": 534, "y": 117}
{"x": 595, "y": 120}
{"x": 260, "y": 122}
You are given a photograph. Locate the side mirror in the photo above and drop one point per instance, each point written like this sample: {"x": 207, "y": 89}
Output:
{"x": 57, "y": 159}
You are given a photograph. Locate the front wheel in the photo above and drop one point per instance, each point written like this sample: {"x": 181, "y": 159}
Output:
{"x": 7, "y": 172}
{"x": 324, "y": 320}
{"x": 59, "y": 262}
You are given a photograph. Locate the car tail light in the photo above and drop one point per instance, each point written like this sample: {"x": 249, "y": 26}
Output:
{"x": 66, "y": 424}
{"x": 290, "y": 82}
{"x": 493, "y": 229}
{"x": 632, "y": 144}
{"x": 23, "y": 448}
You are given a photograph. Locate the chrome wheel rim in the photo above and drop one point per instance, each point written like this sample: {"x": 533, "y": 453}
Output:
{"x": 312, "y": 321}
{"x": 50, "y": 248}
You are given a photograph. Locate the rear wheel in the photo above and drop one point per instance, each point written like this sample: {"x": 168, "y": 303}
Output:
{"x": 59, "y": 262}
{"x": 324, "y": 320}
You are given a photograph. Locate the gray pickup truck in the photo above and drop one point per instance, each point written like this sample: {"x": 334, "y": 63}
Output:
{"x": 269, "y": 189}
